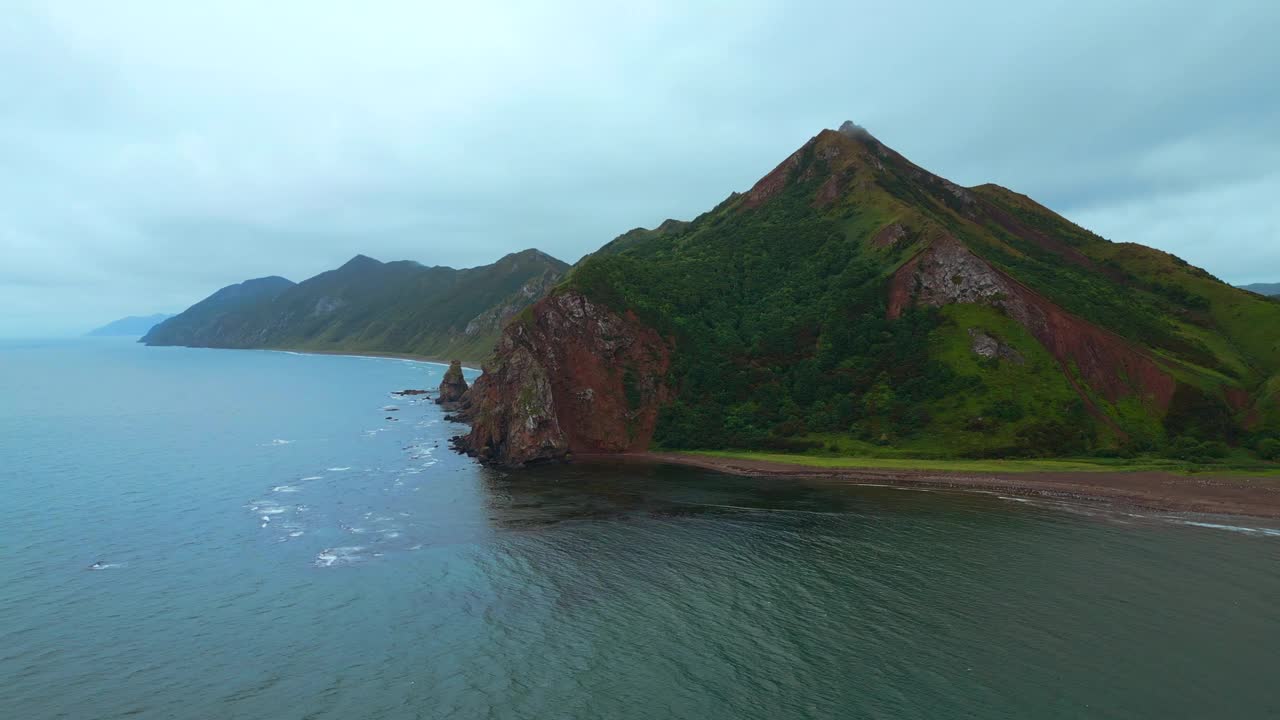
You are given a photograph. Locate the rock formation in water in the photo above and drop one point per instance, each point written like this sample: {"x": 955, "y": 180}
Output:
{"x": 572, "y": 376}
{"x": 453, "y": 386}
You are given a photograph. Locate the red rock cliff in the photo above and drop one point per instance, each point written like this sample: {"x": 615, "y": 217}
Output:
{"x": 572, "y": 377}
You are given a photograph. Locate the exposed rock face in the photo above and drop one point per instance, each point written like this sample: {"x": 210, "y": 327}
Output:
{"x": 496, "y": 317}
{"x": 575, "y": 377}
{"x": 773, "y": 183}
{"x": 947, "y": 272}
{"x": 889, "y": 235}
{"x": 990, "y": 347}
{"x": 453, "y": 386}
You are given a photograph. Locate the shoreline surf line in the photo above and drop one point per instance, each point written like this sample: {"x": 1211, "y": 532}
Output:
{"x": 1156, "y": 490}
{"x": 408, "y": 357}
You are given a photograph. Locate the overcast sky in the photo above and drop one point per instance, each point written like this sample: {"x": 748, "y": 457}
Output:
{"x": 156, "y": 151}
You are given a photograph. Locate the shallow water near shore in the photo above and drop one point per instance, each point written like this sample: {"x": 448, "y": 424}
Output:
{"x": 240, "y": 534}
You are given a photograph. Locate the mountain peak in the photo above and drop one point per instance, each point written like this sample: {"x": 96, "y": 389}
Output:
{"x": 532, "y": 255}
{"x": 360, "y": 261}
{"x": 850, "y": 129}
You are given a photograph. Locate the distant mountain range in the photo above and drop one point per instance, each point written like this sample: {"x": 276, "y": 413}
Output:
{"x": 853, "y": 302}
{"x": 131, "y": 326}
{"x": 1272, "y": 289}
{"x": 370, "y": 306}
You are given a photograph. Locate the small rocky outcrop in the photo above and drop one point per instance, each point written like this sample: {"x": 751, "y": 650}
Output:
{"x": 988, "y": 346}
{"x": 890, "y": 235}
{"x": 454, "y": 386}
{"x": 572, "y": 377}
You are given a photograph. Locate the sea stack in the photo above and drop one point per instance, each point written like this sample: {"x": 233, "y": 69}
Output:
{"x": 453, "y": 386}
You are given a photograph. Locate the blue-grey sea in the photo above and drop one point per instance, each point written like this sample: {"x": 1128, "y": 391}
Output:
{"x": 220, "y": 534}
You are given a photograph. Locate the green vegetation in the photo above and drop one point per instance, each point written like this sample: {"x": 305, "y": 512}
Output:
{"x": 871, "y": 462}
{"x": 370, "y": 306}
{"x": 777, "y": 303}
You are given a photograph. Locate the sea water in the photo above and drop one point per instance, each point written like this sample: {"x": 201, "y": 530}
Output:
{"x": 199, "y": 534}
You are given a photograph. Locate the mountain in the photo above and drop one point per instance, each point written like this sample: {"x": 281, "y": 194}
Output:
{"x": 371, "y": 306}
{"x": 201, "y": 324}
{"x": 1272, "y": 289}
{"x": 852, "y": 299}
{"x": 131, "y": 326}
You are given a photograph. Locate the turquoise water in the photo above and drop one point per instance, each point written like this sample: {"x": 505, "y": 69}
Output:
{"x": 270, "y": 545}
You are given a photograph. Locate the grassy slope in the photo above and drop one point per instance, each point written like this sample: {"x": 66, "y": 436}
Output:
{"x": 1244, "y": 467}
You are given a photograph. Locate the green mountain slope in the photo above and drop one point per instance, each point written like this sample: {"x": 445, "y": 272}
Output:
{"x": 371, "y": 306}
{"x": 852, "y": 299}
{"x": 210, "y": 318}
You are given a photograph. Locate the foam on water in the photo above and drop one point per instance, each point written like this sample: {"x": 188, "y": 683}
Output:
{"x": 1266, "y": 532}
{"x": 339, "y": 556}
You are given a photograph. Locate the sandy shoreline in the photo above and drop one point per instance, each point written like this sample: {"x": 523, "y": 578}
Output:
{"x": 1202, "y": 493}
{"x": 372, "y": 354}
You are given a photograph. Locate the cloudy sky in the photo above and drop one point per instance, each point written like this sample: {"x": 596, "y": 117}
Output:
{"x": 155, "y": 151}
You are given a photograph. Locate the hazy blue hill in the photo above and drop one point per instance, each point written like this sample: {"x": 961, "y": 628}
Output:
{"x": 371, "y": 306}
{"x": 1272, "y": 289}
{"x": 131, "y": 326}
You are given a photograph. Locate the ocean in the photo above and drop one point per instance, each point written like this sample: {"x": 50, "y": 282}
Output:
{"x": 203, "y": 534}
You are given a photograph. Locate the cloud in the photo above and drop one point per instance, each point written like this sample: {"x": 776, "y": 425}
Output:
{"x": 155, "y": 151}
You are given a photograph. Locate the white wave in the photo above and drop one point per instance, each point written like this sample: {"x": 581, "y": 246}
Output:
{"x": 296, "y": 533}
{"x": 286, "y": 489}
{"x": 339, "y": 469}
{"x": 278, "y": 441}
{"x": 1014, "y": 499}
{"x": 105, "y": 566}
{"x": 339, "y": 556}
{"x": 313, "y": 477}
{"x": 1269, "y": 532}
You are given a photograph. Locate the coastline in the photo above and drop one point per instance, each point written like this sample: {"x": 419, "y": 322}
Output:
{"x": 371, "y": 354}
{"x": 1209, "y": 494}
